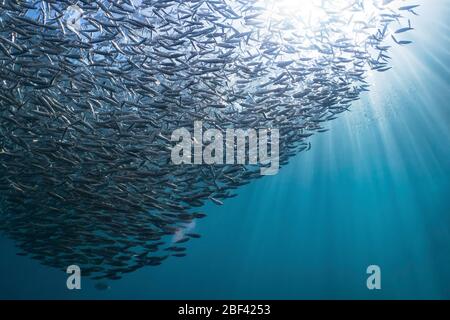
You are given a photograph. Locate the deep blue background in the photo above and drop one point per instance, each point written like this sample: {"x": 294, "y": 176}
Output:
{"x": 372, "y": 190}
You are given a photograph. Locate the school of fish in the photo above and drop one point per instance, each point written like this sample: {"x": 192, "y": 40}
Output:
{"x": 91, "y": 90}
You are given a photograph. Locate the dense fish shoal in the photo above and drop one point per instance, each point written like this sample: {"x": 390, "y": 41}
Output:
{"x": 91, "y": 91}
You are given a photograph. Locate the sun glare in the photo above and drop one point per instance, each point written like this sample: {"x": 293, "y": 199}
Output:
{"x": 309, "y": 11}
{"x": 314, "y": 13}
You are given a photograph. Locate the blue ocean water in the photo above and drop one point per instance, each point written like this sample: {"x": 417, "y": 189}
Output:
{"x": 375, "y": 189}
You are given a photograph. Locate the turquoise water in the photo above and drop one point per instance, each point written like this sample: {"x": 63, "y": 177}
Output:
{"x": 375, "y": 189}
